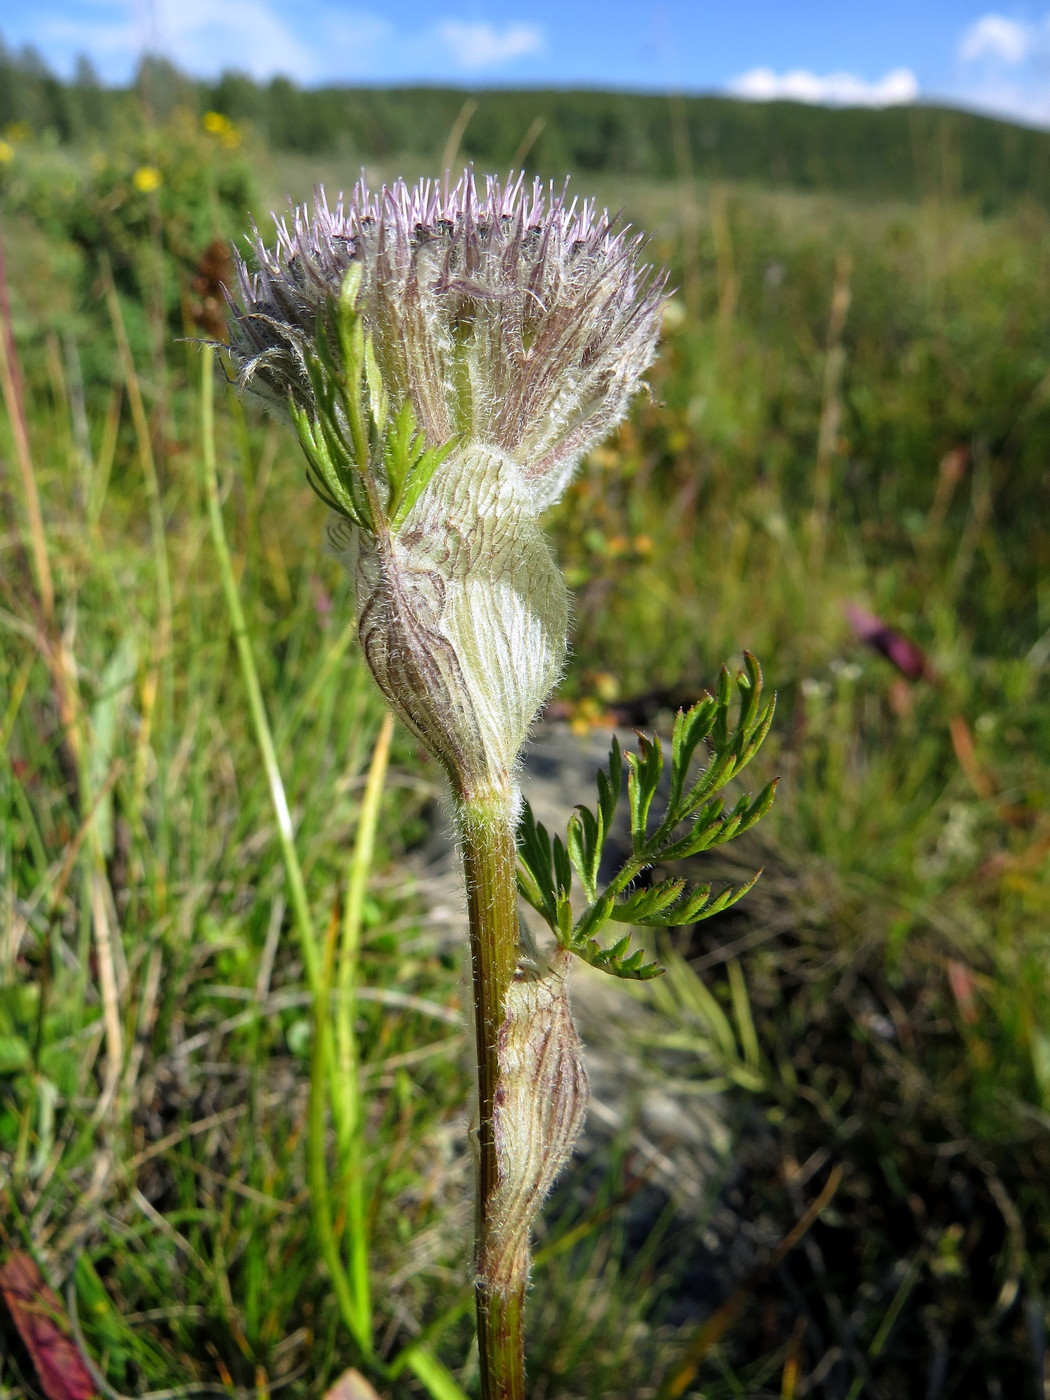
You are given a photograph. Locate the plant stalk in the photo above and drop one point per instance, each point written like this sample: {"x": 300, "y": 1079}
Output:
{"x": 490, "y": 866}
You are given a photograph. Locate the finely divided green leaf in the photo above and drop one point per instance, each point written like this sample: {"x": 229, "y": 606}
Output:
{"x": 691, "y": 728}
{"x": 720, "y": 729}
{"x": 725, "y": 900}
{"x": 562, "y": 868}
{"x": 610, "y": 785}
{"x": 419, "y": 477}
{"x": 593, "y": 919}
{"x": 645, "y": 905}
{"x": 322, "y": 475}
{"x": 702, "y": 834}
{"x": 617, "y": 961}
{"x": 643, "y": 778}
{"x": 377, "y": 395}
{"x": 536, "y": 860}
{"x": 695, "y": 819}
{"x": 584, "y": 838}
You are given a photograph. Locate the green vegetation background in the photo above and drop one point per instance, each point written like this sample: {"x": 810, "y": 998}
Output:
{"x": 851, "y": 408}
{"x": 901, "y": 152}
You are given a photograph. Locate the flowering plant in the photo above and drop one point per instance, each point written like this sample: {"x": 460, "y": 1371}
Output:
{"x": 446, "y": 356}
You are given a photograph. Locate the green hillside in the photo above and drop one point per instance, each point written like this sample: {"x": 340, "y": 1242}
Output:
{"x": 900, "y": 152}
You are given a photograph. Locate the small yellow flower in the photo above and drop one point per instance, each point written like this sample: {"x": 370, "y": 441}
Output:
{"x": 7, "y": 153}
{"x": 146, "y": 179}
{"x": 215, "y": 124}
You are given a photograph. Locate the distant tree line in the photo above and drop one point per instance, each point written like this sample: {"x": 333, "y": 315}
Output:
{"x": 899, "y": 152}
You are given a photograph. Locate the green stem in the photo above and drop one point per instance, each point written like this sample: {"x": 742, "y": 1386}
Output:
{"x": 490, "y": 865}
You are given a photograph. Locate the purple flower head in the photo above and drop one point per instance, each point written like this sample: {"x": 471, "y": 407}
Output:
{"x": 447, "y": 357}
{"x": 511, "y": 317}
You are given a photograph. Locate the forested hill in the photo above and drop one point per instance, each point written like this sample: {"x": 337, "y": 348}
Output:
{"x": 901, "y": 152}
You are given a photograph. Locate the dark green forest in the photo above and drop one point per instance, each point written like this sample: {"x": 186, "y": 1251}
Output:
{"x": 913, "y": 152}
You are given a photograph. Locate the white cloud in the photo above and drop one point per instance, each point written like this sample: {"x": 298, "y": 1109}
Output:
{"x": 996, "y": 37}
{"x": 836, "y": 89}
{"x": 206, "y": 36}
{"x": 1002, "y": 68}
{"x": 249, "y": 35}
{"x": 256, "y": 37}
{"x": 484, "y": 46}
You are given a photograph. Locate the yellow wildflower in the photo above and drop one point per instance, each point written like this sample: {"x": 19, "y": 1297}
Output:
{"x": 146, "y": 179}
{"x": 215, "y": 124}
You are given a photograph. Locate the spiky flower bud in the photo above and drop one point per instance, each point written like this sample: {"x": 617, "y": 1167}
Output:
{"x": 447, "y": 357}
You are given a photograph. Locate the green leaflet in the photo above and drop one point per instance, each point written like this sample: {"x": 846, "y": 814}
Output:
{"x": 693, "y": 820}
{"x": 365, "y": 463}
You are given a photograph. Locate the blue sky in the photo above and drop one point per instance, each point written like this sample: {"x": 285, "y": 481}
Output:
{"x": 814, "y": 50}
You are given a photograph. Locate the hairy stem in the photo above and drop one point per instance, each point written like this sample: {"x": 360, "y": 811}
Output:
{"x": 490, "y": 862}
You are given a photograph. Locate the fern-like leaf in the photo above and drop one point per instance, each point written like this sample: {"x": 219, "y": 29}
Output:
{"x": 694, "y": 820}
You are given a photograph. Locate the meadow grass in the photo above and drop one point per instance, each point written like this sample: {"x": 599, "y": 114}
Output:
{"x": 850, "y": 408}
